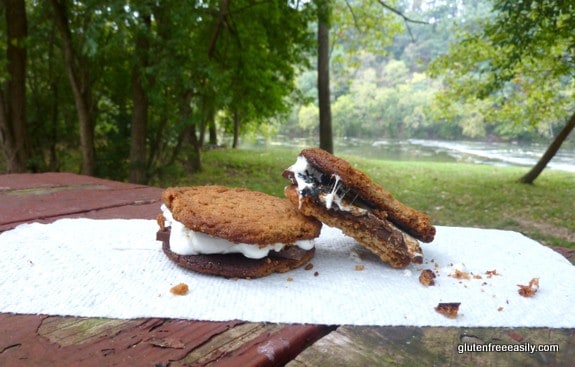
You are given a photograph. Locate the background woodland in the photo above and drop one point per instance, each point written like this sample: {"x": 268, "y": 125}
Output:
{"x": 127, "y": 90}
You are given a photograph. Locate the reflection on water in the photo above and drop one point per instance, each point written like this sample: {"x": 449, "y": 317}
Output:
{"x": 499, "y": 154}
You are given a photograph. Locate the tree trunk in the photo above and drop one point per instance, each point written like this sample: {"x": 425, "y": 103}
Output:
{"x": 210, "y": 120}
{"x": 79, "y": 81}
{"x": 192, "y": 162}
{"x": 140, "y": 111}
{"x": 13, "y": 134}
{"x": 213, "y": 140}
{"x": 236, "y": 141}
{"x": 138, "y": 130}
{"x": 189, "y": 134}
{"x": 202, "y": 135}
{"x": 530, "y": 177}
{"x": 325, "y": 130}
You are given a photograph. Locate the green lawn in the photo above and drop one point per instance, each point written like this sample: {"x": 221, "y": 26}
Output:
{"x": 453, "y": 194}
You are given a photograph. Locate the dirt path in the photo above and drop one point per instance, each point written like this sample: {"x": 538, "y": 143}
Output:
{"x": 548, "y": 229}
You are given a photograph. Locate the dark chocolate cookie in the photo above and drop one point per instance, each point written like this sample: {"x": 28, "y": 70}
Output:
{"x": 237, "y": 265}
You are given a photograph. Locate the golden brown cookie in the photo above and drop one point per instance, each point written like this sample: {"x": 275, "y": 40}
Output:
{"x": 239, "y": 215}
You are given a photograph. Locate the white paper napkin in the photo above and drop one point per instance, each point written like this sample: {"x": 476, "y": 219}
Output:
{"x": 115, "y": 268}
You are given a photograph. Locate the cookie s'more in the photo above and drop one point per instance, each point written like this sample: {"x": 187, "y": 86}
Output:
{"x": 331, "y": 190}
{"x": 234, "y": 232}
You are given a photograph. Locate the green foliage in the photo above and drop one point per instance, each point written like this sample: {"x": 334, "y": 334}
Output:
{"x": 381, "y": 89}
{"x": 395, "y": 94}
{"x": 259, "y": 54}
{"x": 358, "y": 28}
{"x": 391, "y": 102}
{"x": 514, "y": 69}
{"x": 201, "y": 61}
{"x": 193, "y": 58}
{"x": 308, "y": 117}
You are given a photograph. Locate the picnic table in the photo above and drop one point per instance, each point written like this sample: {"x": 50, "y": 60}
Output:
{"x": 48, "y": 340}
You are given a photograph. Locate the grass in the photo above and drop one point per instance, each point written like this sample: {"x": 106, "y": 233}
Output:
{"x": 452, "y": 194}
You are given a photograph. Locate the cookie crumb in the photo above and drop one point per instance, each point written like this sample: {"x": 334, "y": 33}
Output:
{"x": 359, "y": 267}
{"x": 180, "y": 289}
{"x": 309, "y": 266}
{"x": 290, "y": 279}
{"x": 427, "y": 277}
{"x": 491, "y": 273}
{"x": 449, "y": 310}
{"x": 458, "y": 274}
{"x": 315, "y": 274}
{"x": 530, "y": 289}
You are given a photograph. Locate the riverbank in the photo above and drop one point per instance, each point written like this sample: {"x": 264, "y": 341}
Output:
{"x": 478, "y": 152}
{"x": 453, "y": 194}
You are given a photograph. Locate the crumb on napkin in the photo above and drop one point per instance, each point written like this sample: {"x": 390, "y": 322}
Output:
{"x": 449, "y": 310}
{"x": 427, "y": 277}
{"x": 530, "y": 289}
{"x": 180, "y": 289}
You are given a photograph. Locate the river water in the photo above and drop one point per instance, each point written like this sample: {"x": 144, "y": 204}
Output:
{"x": 498, "y": 154}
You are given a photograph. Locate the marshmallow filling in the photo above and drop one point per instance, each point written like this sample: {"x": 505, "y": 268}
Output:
{"x": 327, "y": 189}
{"x": 184, "y": 241}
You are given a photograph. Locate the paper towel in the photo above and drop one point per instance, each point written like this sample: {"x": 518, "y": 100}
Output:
{"x": 115, "y": 268}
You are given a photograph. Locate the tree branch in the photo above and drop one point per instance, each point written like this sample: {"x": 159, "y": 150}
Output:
{"x": 220, "y": 23}
{"x": 352, "y": 14}
{"x": 405, "y": 18}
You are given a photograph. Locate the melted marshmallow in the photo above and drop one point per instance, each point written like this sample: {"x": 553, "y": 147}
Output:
{"x": 184, "y": 241}
{"x": 309, "y": 177}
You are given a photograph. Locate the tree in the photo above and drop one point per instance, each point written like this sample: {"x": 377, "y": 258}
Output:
{"x": 77, "y": 68}
{"x": 370, "y": 24}
{"x": 324, "y": 102}
{"x": 516, "y": 60}
{"x": 140, "y": 101}
{"x": 258, "y": 55}
{"x": 13, "y": 133}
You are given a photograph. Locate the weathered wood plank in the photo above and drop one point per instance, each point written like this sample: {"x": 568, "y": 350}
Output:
{"x": 64, "y": 341}
{"x": 225, "y": 343}
{"x": 275, "y": 349}
{"x": 22, "y": 181}
{"x": 255, "y": 344}
{"x": 66, "y": 331}
{"x": 435, "y": 346}
{"x": 47, "y": 197}
{"x": 29, "y": 207}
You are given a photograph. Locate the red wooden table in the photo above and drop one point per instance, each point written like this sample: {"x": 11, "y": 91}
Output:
{"x": 42, "y": 340}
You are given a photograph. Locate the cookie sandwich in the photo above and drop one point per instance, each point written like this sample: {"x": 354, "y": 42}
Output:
{"x": 234, "y": 232}
{"x": 330, "y": 189}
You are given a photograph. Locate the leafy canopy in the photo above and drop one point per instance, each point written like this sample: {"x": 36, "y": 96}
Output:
{"x": 515, "y": 65}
